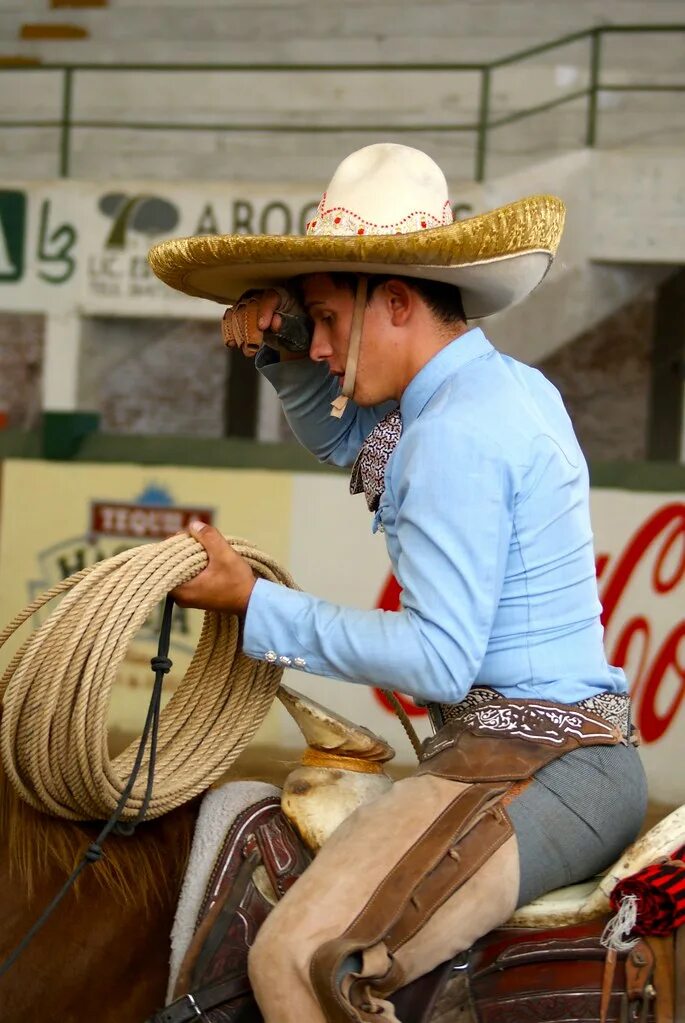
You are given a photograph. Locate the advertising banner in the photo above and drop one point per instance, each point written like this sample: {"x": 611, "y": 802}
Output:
{"x": 58, "y": 518}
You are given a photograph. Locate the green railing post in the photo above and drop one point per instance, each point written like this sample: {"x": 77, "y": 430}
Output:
{"x": 483, "y": 122}
{"x": 593, "y": 87}
{"x": 65, "y": 123}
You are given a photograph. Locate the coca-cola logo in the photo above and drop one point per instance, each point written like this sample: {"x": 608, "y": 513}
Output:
{"x": 653, "y": 662}
{"x": 642, "y": 617}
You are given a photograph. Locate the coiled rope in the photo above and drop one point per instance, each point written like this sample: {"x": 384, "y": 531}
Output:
{"x": 56, "y": 690}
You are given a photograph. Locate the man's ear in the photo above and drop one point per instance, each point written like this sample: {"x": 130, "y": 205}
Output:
{"x": 400, "y": 300}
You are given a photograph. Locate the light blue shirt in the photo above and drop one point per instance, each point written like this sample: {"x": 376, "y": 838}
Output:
{"x": 486, "y": 520}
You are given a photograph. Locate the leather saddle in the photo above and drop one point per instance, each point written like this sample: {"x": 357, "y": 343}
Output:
{"x": 546, "y": 965}
{"x": 556, "y": 975}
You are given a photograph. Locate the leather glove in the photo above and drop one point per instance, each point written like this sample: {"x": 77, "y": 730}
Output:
{"x": 240, "y": 325}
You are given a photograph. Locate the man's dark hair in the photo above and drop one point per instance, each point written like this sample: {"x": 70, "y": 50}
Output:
{"x": 443, "y": 300}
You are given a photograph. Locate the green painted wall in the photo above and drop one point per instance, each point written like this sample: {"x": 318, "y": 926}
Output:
{"x": 243, "y": 454}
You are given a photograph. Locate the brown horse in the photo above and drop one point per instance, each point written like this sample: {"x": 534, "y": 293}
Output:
{"x": 104, "y": 954}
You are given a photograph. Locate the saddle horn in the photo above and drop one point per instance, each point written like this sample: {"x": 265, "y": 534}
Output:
{"x": 327, "y": 732}
{"x": 341, "y": 769}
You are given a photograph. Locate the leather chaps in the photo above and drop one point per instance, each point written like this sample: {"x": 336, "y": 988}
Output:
{"x": 491, "y": 748}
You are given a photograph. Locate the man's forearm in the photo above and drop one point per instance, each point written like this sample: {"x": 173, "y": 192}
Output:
{"x": 306, "y": 390}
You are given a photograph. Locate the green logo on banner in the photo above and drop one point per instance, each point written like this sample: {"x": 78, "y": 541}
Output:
{"x": 12, "y": 234}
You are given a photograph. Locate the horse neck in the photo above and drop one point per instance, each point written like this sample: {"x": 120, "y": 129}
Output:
{"x": 143, "y": 870}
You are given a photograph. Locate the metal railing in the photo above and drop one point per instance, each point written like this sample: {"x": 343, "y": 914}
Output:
{"x": 482, "y": 128}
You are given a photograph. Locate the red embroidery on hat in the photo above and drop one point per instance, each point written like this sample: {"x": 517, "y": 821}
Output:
{"x": 349, "y": 222}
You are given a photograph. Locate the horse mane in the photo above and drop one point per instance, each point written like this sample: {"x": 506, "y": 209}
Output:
{"x": 144, "y": 870}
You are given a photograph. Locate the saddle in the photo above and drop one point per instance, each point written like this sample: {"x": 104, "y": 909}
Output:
{"x": 556, "y": 974}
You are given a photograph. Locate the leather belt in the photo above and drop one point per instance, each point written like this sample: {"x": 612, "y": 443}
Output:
{"x": 190, "y": 1008}
{"x": 612, "y": 707}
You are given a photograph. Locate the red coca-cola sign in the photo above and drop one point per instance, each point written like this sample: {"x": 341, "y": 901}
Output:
{"x": 653, "y": 657}
{"x": 642, "y": 590}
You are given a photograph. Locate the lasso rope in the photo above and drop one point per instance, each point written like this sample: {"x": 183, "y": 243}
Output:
{"x": 55, "y": 692}
{"x": 56, "y": 689}
{"x": 409, "y": 729}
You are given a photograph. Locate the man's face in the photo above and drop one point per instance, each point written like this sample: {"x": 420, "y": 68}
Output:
{"x": 331, "y": 310}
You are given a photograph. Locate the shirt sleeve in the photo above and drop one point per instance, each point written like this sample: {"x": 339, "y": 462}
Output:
{"x": 452, "y": 494}
{"x": 306, "y": 390}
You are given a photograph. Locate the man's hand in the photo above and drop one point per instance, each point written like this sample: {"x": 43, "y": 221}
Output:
{"x": 254, "y": 315}
{"x": 226, "y": 583}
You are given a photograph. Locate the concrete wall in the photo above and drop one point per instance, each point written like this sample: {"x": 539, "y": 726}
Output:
{"x": 154, "y": 376}
{"x": 21, "y": 368}
{"x": 168, "y": 377}
{"x": 604, "y": 378}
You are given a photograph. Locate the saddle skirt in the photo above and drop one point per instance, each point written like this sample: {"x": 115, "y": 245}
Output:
{"x": 218, "y": 811}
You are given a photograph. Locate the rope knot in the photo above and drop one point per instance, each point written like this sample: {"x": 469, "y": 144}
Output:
{"x": 163, "y": 664}
{"x": 93, "y": 853}
{"x": 125, "y": 828}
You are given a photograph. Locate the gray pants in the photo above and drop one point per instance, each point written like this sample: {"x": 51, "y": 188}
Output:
{"x": 577, "y": 816}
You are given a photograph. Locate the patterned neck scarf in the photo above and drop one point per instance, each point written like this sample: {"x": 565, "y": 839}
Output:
{"x": 368, "y": 471}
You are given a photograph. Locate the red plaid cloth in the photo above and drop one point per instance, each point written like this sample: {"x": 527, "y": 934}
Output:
{"x": 660, "y": 892}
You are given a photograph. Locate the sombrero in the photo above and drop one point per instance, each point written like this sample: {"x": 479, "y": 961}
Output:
{"x": 386, "y": 211}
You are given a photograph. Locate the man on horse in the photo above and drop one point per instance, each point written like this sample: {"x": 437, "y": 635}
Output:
{"x": 472, "y": 471}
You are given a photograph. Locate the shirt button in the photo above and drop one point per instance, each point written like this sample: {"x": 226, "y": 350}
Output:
{"x": 300, "y": 662}
{"x": 285, "y": 661}
{"x": 271, "y": 656}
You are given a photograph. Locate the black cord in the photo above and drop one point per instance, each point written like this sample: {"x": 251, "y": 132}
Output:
{"x": 161, "y": 665}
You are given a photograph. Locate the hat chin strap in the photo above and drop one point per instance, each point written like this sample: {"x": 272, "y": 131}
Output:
{"x": 340, "y": 403}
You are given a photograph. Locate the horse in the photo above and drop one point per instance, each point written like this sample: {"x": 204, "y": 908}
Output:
{"x": 104, "y": 953}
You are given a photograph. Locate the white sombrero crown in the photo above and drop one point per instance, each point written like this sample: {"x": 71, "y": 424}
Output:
{"x": 385, "y": 211}
{"x": 383, "y": 189}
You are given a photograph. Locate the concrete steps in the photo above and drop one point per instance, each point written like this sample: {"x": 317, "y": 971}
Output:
{"x": 297, "y": 153}
{"x": 267, "y": 24}
{"x": 295, "y": 31}
{"x": 432, "y": 44}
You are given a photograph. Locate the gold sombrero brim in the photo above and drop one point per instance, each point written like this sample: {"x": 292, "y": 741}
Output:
{"x": 496, "y": 258}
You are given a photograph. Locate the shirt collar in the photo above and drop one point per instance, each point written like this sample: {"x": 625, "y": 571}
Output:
{"x": 448, "y": 361}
